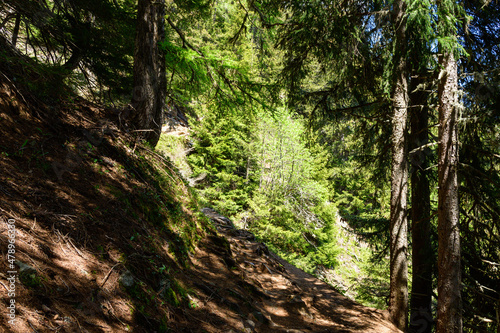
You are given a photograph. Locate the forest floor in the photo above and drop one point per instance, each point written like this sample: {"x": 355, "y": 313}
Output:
{"x": 282, "y": 298}
{"x": 94, "y": 252}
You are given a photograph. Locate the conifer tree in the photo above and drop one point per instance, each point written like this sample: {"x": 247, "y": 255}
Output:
{"x": 150, "y": 90}
{"x": 93, "y": 38}
{"x": 479, "y": 168}
{"x": 449, "y": 310}
{"x": 421, "y": 65}
{"x": 398, "y": 304}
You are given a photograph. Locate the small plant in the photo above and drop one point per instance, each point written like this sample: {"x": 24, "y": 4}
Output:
{"x": 135, "y": 236}
{"x": 171, "y": 297}
{"x": 31, "y": 280}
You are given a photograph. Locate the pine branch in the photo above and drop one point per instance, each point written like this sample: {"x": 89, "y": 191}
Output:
{"x": 183, "y": 38}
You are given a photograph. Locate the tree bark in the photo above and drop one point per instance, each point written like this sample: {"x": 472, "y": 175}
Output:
{"x": 150, "y": 84}
{"x": 398, "y": 304}
{"x": 422, "y": 253}
{"x": 449, "y": 309}
{"x": 17, "y": 24}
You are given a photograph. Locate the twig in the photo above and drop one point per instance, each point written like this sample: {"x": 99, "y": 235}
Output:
{"x": 34, "y": 330}
{"x": 63, "y": 249}
{"x": 267, "y": 269}
{"x": 491, "y": 262}
{"x": 4, "y": 286}
{"x": 67, "y": 287}
{"x": 112, "y": 311}
{"x": 68, "y": 240}
{"x": 76, "y": 249}
{"x": 17, "y": 90}
{"x": 58, "y": 233}
{"x": 190, "y": 315}
{"x": 78, "y": 323}
{"x": 109, "y": 273}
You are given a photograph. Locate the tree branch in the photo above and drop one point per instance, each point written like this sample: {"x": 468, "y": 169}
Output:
{"x": 183, "y": 38}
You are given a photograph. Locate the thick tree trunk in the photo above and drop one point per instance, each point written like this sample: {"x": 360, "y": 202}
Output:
{"x": 150, "y": 85}
{"x": 449, "y": 310}
{"x": 398, "y": 304}
{"x": 422, "y": 254}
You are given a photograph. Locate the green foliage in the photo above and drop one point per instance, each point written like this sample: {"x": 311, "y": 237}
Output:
{"x": 286, "y": 163}
{"x": 173, "y": 147}
{"x": 222, "y": 153}
{"x": 205, "y": 64}
{"x": 285, "y": 181}
{"x": 69, "y": 40}
{"x": 31, "y": 280}
{"x": 264, "y": 169}
{"x": 372, "y": 285}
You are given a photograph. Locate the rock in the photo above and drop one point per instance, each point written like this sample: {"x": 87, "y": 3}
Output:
{"x": 45, "y": 308}
{"x": 249, "y": 324}
{"x": 25, "y": 268}
{"x": 207, "y": 210}
{"x": 127, "y": 279}
{"x": 217, "y": 218}
{"x": 164, "y": 283}
{"x": 164, "y": 287}
{"x": 246, "y": 235}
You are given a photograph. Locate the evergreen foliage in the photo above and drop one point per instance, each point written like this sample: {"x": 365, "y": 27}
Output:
{"x": 263, "y": 173}
{"x": 203, "y": 65}
{"x": 223, "y": 158}
{"x": 76, "y": 38}
{"x": 290, "y": 109}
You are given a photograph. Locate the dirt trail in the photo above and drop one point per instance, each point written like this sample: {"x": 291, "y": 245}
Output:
{"x": 284, "y": 298}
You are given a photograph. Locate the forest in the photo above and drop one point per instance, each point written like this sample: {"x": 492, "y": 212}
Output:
{"x": 335, "y": 131}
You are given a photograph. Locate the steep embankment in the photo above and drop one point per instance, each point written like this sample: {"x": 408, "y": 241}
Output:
{"x": 110, "y": 239}
{"x": 104, "y": 227}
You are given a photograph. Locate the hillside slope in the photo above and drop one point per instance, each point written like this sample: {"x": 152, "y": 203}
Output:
{"x": 109, "y": 238}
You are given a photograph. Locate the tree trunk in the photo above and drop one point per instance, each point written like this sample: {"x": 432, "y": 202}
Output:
{"x": 17, "y": 24}
{"x": 449, "y": 309}
{"x": 498, "y": 316}
{"x": 74, "y": 61}
{"x": 150, "y": 84}
{"x": 422, "y": 254}
{"x": 398, "y": 306}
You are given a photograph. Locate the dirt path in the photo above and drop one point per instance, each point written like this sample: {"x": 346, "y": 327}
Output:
{"x": 283, "y": 297}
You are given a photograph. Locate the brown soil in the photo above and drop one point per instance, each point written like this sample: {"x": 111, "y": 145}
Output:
{"x": 88, "y": 207}
{"x": 275, "y": 296}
